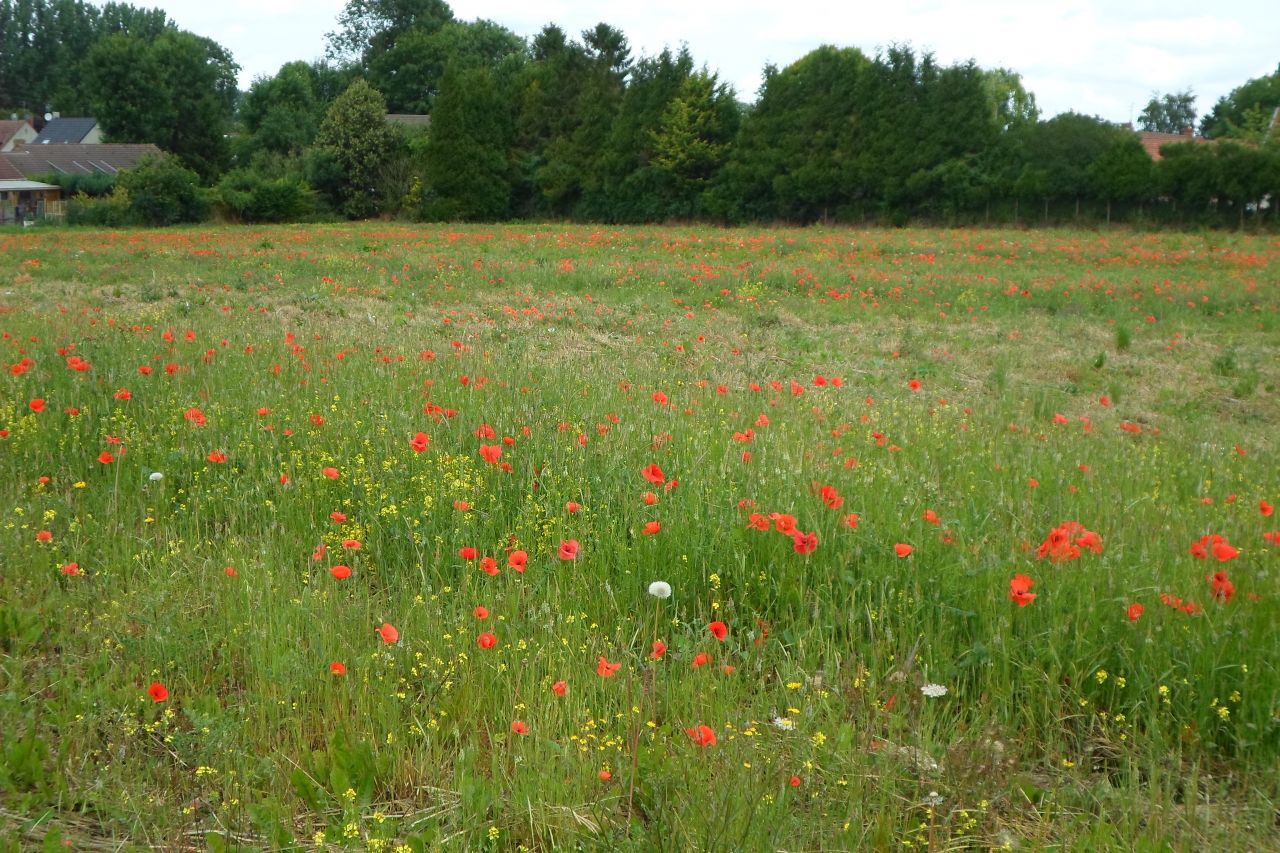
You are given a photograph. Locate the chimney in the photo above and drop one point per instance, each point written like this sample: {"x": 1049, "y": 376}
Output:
{"x": 1188, "y": 132}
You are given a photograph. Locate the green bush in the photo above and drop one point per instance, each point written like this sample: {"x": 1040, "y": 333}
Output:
{"x": 96, "y": 185}
{"x": 245, "y": 195}
{"x": 109, "y": 211}
{"x": 163, "y": 192}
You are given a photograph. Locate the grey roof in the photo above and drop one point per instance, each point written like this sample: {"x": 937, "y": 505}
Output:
{"x": 33, "y": 160}
{"x": 62, "y": 131}
{"x": 409, "y": 119}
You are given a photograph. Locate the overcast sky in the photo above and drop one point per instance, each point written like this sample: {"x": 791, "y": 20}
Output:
{"x": 1101, "y": 57}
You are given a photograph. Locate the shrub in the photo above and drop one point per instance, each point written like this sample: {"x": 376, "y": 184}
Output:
{"x": 163, "y": 192}
{"x": 110, "y": 211}
{"x": 250, "y": 197}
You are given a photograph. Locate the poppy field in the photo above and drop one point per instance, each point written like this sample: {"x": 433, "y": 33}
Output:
{"x": 397, "y": 538}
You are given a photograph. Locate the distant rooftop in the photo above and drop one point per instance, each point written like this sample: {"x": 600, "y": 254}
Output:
{"x": 64, "y": 131}
{"x": 33, "y": 160}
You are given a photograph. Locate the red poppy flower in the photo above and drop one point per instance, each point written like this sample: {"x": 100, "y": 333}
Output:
{"x": 804, "y": 543}
{"x": 1134, "y": 612}
{"x": 605, "y": 775}
{"x": 105, "y": 457}
{"x": 702, "y": 735}
{"x": 217, "y": 456}
{"x": 652, "y": 527}
{"x": 1223, "y": 588}
{"x": 340, "y": 572}
{"x": 1265, "y": 508}
{"x": 650, "y": 498}
{"x": 659, "y": 398}
{"x": 1018, "y": 590}
{"x": 491, "y": 453}
{"x": 902, "y": 550}
{"x": 388, "y": 633}
{"x": 701, "y": 659}
{"x": 572, "y": 507}
{"x": 330, "y": 472}
{"x": 230, "y": 571}
{"x": 568, "y": 549}
{"x": 351, "y": 544}
{"x": 653, "y": 474}
{"x": 518, "y": 727}
{"x": 489, "y": 566}
{"x": 518, "y": 560}
{"x": 851, "y": 521}
{"x": 931, "y": 517}
{"x": 481, "y": 612}
{"x": 604, "y": 669}
{"x": 1224, "y": 551}
{"x": 487, "y": 640}
{"x": 71, "y": 569}
{"x": 468, "y": 553}
{"x": 337, "y": 668}
{"x": 338, "y": 517}
{"x": 1065, "y": 541}
{"x": 36, "y": 405}
{"x": 559, "y": 688}
{"x": 914, "y": 384}
{"x": 658, "y": 651}
{"x": 419, "y": 442}
{"x": 44, "y": 536}
{"x": 719, "y": 630}
{"x": 158, "y": 692}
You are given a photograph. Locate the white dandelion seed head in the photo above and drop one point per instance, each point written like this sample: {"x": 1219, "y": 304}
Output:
{"x": 660, "y": 589}
{"x": 155, "y": 476}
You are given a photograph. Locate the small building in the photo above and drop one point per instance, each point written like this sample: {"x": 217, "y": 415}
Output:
{"x": 70, "y": 131}
{"x": 23, "y": 200}
{"x": 16, "y": 132}
{"x": 24, "y": 197}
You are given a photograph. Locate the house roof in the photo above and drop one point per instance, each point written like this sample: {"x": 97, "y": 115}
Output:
{"x": 409, "y": 119}
{"x": 64, "y": 131}
{"x": 1151, "y": 141}
{"x": 33, "y": 160}
{"x": 8, "y": 172}
{"x": 9, "y": 127}
{"x": 8, "y": 186}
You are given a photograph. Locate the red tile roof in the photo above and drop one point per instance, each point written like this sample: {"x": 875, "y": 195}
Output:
{"x": 1152, "y": 141}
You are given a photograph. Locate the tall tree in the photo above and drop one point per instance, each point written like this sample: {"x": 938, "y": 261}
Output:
{"x": 411, "y": 72}
{"x": 691, "y": 142}
{"x": 1171, "y": 113}
{"x": 352, "y": 148}
{"x": 281, "y": 114}
{"x": 176, "y": 91}
{"x": 1248, "y": 112}
{"x": 369, "y": 28}
{"x": 468, "y": 175}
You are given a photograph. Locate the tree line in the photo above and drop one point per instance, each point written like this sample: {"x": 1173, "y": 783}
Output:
{"x": 580, "y": 129}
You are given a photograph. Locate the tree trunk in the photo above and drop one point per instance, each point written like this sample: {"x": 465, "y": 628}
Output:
{"x": 1108, "y": 211}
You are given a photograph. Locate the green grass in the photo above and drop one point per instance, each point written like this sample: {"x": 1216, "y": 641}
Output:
{"x": 1121, "y": 381}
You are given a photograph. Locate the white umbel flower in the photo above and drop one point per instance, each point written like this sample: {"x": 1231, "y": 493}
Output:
{"x": 934, "y": 691}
